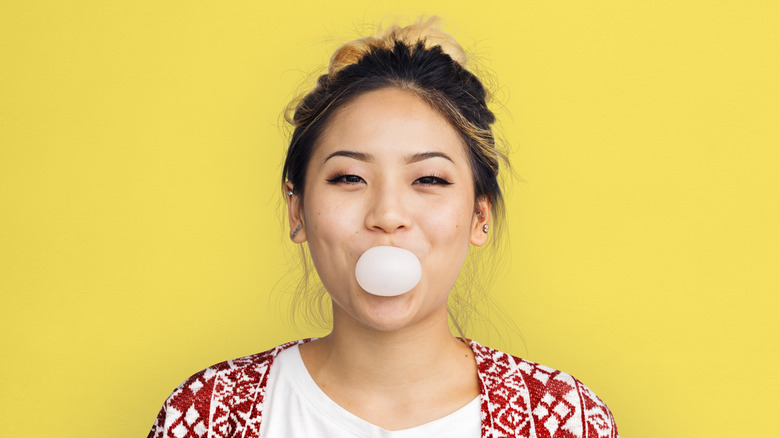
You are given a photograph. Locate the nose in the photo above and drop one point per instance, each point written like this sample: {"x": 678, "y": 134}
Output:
{"x": 387, "y": 210}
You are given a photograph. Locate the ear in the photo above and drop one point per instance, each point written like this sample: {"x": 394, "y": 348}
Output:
{"x": 294, "y": 213}
{"x": 480, "y": 219}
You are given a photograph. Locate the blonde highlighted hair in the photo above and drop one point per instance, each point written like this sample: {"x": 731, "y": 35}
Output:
{"x": 425, "y": 31}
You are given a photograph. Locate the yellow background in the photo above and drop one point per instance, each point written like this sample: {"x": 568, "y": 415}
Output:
{"x": 140, "y": 238}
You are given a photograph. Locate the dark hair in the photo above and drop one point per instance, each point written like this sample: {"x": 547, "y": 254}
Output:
{"x": 429, "y": 73}
{"x": 420, "y": 59}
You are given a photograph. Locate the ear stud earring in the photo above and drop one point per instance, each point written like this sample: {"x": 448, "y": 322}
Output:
{"x": 484, "y": 227}
{"x": 289, "y": 193}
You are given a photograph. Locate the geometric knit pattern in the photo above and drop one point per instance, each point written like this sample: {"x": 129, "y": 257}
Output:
{"x": 519, "y": 398}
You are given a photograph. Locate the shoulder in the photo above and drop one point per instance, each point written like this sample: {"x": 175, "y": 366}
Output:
{"x": 552, "y": 402}
{"x": 232, "y": 386}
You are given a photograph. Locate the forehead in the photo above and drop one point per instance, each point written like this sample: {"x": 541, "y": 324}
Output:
{"x": 390, "y": 122}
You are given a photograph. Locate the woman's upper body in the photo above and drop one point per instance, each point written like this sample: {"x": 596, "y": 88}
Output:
{"x": 394, "y": 147}
{"x": 295, "y": 406}
{"x": 517, "y": 398}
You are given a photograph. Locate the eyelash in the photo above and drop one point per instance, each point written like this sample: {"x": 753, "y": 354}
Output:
{"x": 437, "y": 180}
{"x": 342, "y": 178}
{"x": 432, "y": 180}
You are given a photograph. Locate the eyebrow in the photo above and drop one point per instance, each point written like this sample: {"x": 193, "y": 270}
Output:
{"x": 420, "y": 156}
{"x": 368, "y": 158}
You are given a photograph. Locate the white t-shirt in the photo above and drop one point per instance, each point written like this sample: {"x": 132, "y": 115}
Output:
{"x": 295, "y": 406}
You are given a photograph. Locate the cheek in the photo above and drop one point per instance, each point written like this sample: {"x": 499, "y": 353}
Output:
{"x": 447, "y": 233}
{"x": 451, "y": 235}
{"x": 448, "y": 225}
{"x": 322, "y": 223}
{"x": 330, "y": 220}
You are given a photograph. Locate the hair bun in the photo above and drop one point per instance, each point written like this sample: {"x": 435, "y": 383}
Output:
{"x": 425, "y": 31}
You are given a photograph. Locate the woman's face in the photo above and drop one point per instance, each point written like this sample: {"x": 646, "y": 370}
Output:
{"x": 389, "y": 170}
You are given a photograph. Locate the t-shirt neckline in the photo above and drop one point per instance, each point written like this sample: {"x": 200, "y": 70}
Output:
{"x": 326, "y": 406}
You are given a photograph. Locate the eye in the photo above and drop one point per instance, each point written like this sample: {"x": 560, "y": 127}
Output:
{"x": 432, "y": 180}
{"x": 346, "y": 179}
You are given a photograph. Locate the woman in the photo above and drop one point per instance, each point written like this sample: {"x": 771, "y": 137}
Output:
{"x": 392, "y": 148}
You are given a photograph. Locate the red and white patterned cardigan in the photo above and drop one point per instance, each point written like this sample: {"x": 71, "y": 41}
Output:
{"x": 519, "y": 399}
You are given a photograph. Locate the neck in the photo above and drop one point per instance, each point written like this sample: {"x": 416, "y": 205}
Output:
{"x": 388, "y": 361}
{"x": 394, "y": 379}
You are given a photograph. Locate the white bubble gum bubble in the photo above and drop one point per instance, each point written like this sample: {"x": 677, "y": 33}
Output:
{"x": 388, "y": 271}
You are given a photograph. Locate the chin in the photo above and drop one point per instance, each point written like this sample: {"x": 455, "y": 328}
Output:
{"x": 389, "y": 314}
{"x": 388, "y": 325}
